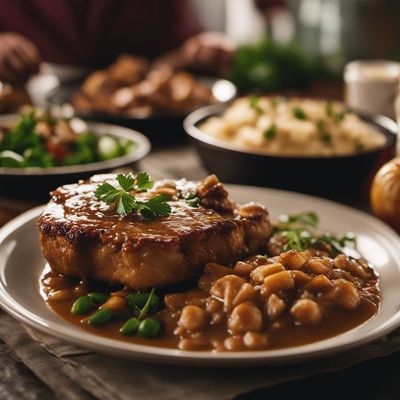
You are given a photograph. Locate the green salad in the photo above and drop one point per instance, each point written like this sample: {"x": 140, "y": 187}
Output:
{"x": 38, "y": 139}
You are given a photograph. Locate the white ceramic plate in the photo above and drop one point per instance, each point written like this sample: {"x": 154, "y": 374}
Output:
{"x": 21, "y": 263}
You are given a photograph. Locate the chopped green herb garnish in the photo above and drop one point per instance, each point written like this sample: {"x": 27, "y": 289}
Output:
{"x": 329, "y": 109}
{"x": 299, "y": 231}
{"x": 125, "y": 201}
{"x": 339, "y": 116}
{"x": 299, "y": 113}
{"x": 324, "y": 135}
{"x": 359, "y": 147}
{"x": 271, "y": 132}
{"x": 338, "y": 243}
{"x": 254, "y": 104}
{"x": 304, "y": 220}
{"x": 192, "y": 200}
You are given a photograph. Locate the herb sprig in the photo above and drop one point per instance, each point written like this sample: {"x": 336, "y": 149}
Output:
{"x": 299, "y": 231}
{"x": 123, "y": 197}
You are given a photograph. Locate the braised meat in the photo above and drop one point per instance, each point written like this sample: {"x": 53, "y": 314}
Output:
{"x": 83, "y": 237}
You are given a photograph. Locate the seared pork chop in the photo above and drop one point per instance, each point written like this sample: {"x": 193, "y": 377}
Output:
{"x": 82, "y": 236}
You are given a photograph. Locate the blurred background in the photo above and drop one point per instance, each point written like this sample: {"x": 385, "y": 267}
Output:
{"x": 147, "y": 65}
{"x": 277, "y": 45}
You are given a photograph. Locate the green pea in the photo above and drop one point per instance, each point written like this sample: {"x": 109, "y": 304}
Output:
{"x": 83, "y": 305}
{"x": 149, "y": 328}
{"x": 98, "y": 297}
{"x": 130, "y": 327}
{"x": 100, "y": 318}
{"x": 138, "y": 300}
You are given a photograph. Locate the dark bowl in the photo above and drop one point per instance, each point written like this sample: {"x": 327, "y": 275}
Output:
{"x": 36, "y": 183}
{"x": 338, "y": 177}
{"x": 162, "y": 130}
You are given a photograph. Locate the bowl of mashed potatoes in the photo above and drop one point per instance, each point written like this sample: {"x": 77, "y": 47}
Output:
{"x": 307, "y": 145}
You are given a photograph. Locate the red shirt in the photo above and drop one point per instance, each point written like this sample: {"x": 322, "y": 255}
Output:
{"x": 93, "y": 32}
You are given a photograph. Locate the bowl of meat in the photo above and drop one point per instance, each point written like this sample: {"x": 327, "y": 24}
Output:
{"x": 40, "y": 150}
{"x": 305, "y": 145}
{"x": 133, "y": 94}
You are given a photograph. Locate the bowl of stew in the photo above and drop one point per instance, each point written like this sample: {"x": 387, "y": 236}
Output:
{"x": 40, "y": 151}
{"x": 305, "y": 145}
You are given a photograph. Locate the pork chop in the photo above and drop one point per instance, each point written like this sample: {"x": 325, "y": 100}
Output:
{"x": 82, "y": 236}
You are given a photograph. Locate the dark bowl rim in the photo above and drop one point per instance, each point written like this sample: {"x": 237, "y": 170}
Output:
{"x": 387, "y": 127}
{"x": 69, "y": 85}
{"x": 99, "y": 128}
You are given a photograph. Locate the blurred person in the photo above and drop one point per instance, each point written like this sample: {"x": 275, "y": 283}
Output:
{"x": 92, "y": 33}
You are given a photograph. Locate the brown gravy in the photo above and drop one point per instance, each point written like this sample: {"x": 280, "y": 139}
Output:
{"x": 292, "y": 327}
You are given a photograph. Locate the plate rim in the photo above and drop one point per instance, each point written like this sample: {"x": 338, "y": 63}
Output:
{"x": 198, "y": 358}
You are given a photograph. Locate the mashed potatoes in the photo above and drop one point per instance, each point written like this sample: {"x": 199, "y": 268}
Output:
{"x": 294, "y": 127}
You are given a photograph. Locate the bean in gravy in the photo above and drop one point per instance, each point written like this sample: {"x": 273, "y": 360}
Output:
{"x": 261, "y": 303}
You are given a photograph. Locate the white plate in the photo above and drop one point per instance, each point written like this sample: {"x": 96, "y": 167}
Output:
{"x": 21, "y": 263}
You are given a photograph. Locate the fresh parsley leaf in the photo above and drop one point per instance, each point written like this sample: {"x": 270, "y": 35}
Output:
{"x": 293, "y": 241}
{"x": 126, "y": 203}
{"x": 254, "y": 104}
{"x": 103, "y": 189}
{"x": 300, "y": 234}
{"x": 308, "y": 218}
{"x": 157, "y": 206}
{"x": 302, "y": 220}
{"x": 271, "y": 132}
{"x": 127, "y": 182}
{"x": 299, "y": 113}
{"x": 143, "y": 182}
{"x": 338, "y": 244}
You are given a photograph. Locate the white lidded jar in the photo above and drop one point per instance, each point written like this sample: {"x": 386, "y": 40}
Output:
{"x": 370, "y": 86}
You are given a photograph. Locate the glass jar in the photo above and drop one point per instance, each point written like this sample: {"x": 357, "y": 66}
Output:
{"x": 370, "y": 86}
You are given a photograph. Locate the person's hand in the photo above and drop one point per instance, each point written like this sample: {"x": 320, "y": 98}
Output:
{"x": 209, "y": 52}
{"x": 19, "y": 58}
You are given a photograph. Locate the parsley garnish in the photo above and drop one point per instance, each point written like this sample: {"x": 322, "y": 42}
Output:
{"x": 329, "y": 109}
{"x": 125, "y": 201}
{"x": 339, "y": 116}
{"x": 324, "y": 135}
{"x": 271, "y": 132}
{"x": 192, "y": 200}
{"x": 299, "y": 113}
{"x": 255, "y": 105}
{"x": 299, "y": 231}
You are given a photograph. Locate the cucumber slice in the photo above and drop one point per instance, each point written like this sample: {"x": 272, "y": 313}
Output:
{"x": 108, "y": 148}
{"x": 11, "y": 159}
